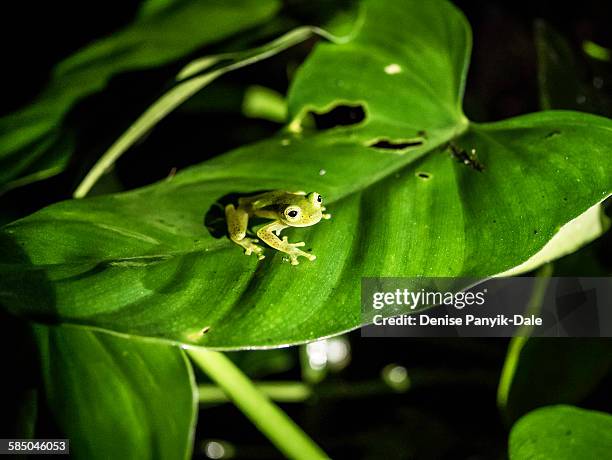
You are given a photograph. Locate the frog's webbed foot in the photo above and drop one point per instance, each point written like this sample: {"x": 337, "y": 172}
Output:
{"x": 268, "y": 235}
{"x": 291, "y": 250}
{"x": 251, "y": 248}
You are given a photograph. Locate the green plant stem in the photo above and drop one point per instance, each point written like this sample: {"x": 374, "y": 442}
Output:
{"x": 299, "y": 392}
{"x": 522, "y": 335}
{"x": 268, "y": 418}
{"x": 276, "y": 391}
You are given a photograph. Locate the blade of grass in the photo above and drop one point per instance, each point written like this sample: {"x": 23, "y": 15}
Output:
{"x": 267, "y": 417}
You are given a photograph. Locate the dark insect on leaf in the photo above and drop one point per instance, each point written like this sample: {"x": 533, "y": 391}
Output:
{"x": 467, "y": 158}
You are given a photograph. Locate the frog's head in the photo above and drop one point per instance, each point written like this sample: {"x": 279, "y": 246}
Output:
{"x": 302, "y": 210}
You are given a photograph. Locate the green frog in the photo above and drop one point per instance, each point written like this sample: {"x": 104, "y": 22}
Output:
{"x": 286, "y": 209}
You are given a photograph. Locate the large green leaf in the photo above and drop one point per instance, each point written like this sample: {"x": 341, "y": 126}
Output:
{"x": 142, "y": 262}
{"x": 157, "y": 37}
{"x": 406, "y": 66}
{"x": 116, "y": 397}
{"x": 561, "y": 433}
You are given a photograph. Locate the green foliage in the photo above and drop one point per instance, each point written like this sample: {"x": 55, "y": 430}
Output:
{"x": 32, "y": 143}
{"x": 191, "y": 79}
{"x": 271, "y": 421}
{"x": 543, "y": 371}
{"x": 403, "y": 205}
{"x": 118, "y": 397}
{"x": 414, "y": 187}
{"x": 561, "y": 433}
{"x": 596, "y": 51}
{"x": 409, "y": 78}
{"x": 551, "y": 371}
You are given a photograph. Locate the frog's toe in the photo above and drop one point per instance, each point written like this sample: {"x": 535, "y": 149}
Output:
{"x": 299, "y": 244}
{"x": 254, "y": 250}
{"x": 250, "y": 247}
{"x": 308, "y": 256}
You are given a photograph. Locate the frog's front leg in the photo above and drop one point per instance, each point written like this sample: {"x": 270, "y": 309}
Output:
{"x": 237, "y": 221}
{"x": 267, "y": 235}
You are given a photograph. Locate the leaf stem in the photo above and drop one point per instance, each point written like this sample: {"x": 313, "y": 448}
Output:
{"x": 286, "y": 391}
{"x": 267, "y": 417}
{"x": 522, "y": 335}
{"x": 276, "y": 391}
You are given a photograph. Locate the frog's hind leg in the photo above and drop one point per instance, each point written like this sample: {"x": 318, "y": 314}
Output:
{"x": 237, "y": 221}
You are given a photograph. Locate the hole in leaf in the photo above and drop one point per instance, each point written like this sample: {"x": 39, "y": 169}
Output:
{"x": 215, "y": 221}
{"x": 387, "y": 144}
{"x": 423, "y": 175}
{"x": 342, "y": 115}
{"x": 552, "y": 134}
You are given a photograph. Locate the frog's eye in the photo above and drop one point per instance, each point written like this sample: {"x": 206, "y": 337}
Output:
{"x": 292, "y": 213}
{"x": 315, "y": 198}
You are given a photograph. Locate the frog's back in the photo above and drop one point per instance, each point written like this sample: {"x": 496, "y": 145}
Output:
{"x": 275, "y": 197}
